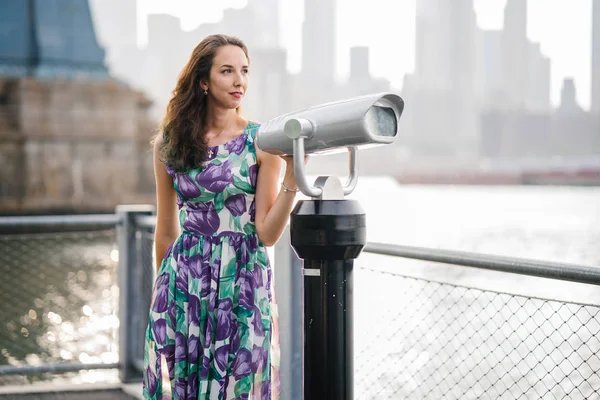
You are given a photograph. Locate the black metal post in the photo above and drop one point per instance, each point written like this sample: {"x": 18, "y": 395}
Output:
{"x": 328, "y": 235}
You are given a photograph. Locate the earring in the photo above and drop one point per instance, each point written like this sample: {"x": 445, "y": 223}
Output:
{"x": 206, "y": 92}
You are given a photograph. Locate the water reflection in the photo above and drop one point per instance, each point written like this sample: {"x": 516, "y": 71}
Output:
{"x": 60, "y": 299}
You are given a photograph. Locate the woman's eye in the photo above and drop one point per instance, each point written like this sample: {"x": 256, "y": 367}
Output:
{"x": 226, "y": 70}
{"x": 245, "y": 71}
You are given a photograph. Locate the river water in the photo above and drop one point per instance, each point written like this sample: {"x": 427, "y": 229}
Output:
{"x": 69, "y": 286}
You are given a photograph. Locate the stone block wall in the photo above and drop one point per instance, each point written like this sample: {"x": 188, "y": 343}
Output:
{"x": 73, "y": 146}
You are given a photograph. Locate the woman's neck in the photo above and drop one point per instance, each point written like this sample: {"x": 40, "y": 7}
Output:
{"x": 221, "y": 120}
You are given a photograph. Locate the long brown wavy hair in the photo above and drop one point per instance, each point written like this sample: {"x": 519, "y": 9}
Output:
{"x": 184, "y": 125}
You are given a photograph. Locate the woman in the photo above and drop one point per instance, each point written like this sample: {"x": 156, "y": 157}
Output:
{"x": 211, "y": 332}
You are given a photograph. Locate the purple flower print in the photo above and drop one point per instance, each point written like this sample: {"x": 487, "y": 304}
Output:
{"x": 259, "y": 358}
{"x": 150, "y": 381}
{"x": 162, "y": 293}
{"x": 252, "y": 243}
{"x": 252, "y": 210}
{"x": 194, "y": 310}
{"x": 189, "y": 241}
{"x": 168, "y": 352}
{"x": 235, "y": 241}
{"x": 221, "y": 355}
{"x": 180, "y": 347}
{"x": 194, "y": 264}
{"x": 159, "y": 330}
{"x": 224, "y": 319}
{"x": 265, "y": 392}
{"x": 203, "y": 220}
{"x": 246, "y": 290}
{"x": 235, "y": 337}
{"x": 172, "y": 312}
{"x": 216, "y": 177}
{"x": 236, "y": 145}
{"x": 215, "y": 271}
{"x": 179, "y": 388}
{"x": 205, "y": 367}
{"x": 208, "y": 333}
{"x": 181, "y": 280}
{"x": 241, "y": 364}
{"x": 236, "y": 204}
{"x": 192, "y": 387}
{"x": 170, "y": 170}
{"x": 187, "y": 187}
{"x": 257, "y": 276}
{"x": 193, "y": 349}
{"x": 259, "y": 327}
{"x": 206, "y": 251}
{"x": 253, "y": 171}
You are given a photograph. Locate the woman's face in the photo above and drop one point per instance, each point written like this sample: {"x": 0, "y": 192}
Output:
{"x": 228, "y": 77}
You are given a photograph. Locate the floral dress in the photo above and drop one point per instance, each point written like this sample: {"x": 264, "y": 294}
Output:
{"x": 212, "y": 327}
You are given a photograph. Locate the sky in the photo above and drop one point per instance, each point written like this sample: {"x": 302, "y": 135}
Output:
{"x": 562, "y": 27}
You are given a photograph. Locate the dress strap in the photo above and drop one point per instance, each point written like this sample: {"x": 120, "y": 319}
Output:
{"x": 252, "y": 129}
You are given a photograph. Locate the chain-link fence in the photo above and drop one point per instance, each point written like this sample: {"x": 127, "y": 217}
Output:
{"x": 420, "y": 339}
{"x": 59, "y": 298}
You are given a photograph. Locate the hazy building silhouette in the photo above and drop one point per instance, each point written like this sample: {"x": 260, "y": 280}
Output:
{"x": 515, "y": 59}
{"x": 568, "y": 99}
{"x": 115, "y": 22}
{"x": 596, "y": 57}
{"x": 318, "y": 41}
{"x": 497, "y": 91}
{"x": 443, "y": 90}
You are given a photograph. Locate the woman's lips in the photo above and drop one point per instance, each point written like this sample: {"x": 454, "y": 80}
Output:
{"x": 237, "y": 95}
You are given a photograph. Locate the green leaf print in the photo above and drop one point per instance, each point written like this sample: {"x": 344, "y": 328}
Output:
{"x": 240, "y": 184}
{"x": 261, "y": 257}
{"x": 244, "y": 170}
{"x": 249, "y": 229}
{"x": 238, "y": 225}
{"x": 219, "y": 202}
{"x": 264, "y": 306}
{"x": 206, "y": 196}
{"x": 230, "y": 268}
{"x": 242, "y": 386}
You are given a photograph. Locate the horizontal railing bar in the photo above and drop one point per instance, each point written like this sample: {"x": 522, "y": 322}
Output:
{"x": 145, "y": 221}
{"x": 522, "y": 266}
{"x": 52, "y": 368}
{"x": 61, "y": 220}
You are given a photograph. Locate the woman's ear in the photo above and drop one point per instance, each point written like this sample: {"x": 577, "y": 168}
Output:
{"x": 203, "y": 85}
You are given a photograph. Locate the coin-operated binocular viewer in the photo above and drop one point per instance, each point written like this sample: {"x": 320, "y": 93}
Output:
{"x": 327, "y": 231}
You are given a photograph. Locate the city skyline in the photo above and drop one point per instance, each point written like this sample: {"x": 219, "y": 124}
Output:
{"x": 562, "y": 28}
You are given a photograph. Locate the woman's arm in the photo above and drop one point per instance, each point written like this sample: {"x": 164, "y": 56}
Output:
{"x": 167, "y": 223}
{"x": 273, "y": 206}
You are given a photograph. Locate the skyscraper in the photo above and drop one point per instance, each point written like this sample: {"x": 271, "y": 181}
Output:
{"x": 596, "y": 57}
{"x": 318, "y": 41}
{"x": 265, "y": 17}
{"x": 515, "y": 54}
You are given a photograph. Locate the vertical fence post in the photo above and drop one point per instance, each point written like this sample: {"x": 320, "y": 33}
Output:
{"x": 288, "y": 288}
{"x": 328, "y": 235}
{"x": 129, "y": 262}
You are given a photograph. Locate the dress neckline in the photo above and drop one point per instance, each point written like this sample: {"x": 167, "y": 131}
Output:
{"x": 244, "y": 133}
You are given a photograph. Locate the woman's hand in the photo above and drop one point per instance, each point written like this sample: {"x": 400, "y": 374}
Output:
{"x": 289, "y": 179}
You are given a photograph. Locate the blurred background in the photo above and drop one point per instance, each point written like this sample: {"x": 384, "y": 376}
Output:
{"x": 499, "y": 150}
{"x": 496, "y": 91}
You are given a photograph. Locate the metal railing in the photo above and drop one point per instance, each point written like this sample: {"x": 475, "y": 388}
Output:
{"x": 429, "y": 339}
{"x": 76, "y": 293}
